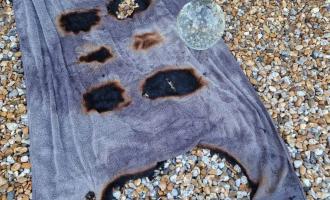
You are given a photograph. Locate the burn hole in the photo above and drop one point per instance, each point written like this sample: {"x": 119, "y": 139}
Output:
{"x": 173, "y": 82}
{"x": 101, "y": 55}
{"x": 168, "y": 168}
{"x": 106, "y": 97}
{"x": 146, "y": 40}
{"x": 77, "y": 21}
{"x": 90, "y": 196}
{"x": 107, "y": 193}
{"x": 121, "y": 10}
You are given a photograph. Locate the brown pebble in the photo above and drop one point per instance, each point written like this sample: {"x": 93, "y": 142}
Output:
{"x": 15, "y": 167}
{"x": 25, "y": 130}
{"x": 26, "y": 165}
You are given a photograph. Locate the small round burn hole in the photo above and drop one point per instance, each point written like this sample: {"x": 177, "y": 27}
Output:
{"x": 122, "y": 9}
{"x": 90, "y": 196}
{"x": 107, "y": 97}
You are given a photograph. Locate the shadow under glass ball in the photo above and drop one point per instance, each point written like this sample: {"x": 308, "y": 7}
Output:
{"x": 201, "y": 24}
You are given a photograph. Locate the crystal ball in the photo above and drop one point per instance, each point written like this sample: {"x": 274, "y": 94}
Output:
{"x": 201, "y": 24}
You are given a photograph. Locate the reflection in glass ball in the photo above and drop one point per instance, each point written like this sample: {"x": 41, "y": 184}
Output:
{"x": 200, "y": 24}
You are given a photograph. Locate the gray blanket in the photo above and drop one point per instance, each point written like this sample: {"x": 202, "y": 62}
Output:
{"x": 111, "y": 98}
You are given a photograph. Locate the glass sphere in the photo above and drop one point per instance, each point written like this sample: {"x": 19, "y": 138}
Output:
{"x": 201, "y": 24}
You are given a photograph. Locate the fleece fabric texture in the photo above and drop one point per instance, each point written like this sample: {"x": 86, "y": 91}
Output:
{"x": 75, "y": 150}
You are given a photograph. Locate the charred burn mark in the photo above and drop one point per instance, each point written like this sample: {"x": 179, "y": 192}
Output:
{"x": 101, "y": 55}
{"x": 122, "y": 179}
{"x": 90, "y": 196}
{"x": 233, "y": 161}
{"x": 107, "y": 97}
{"x": 80, "y": 20}
{"x": 113, "y": 7}
{"x": 146, "y": 40}
{"x": 172, "y": 83}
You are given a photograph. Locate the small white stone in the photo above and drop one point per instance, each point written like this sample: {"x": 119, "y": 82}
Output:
{"x": 244, "y": 180}
{"x": 306, "y": 182}
{"x": 238, "y": 182}
{"x": 318, "y": 180}
{"x": 214, "y": 158}
{"x": 174, "y": 192}
{"x": 195, "y": 172}
{"x": 237, "y": 168}
{"x": 225, "y": 178}
{"x": 10, "y": 160}
{"x": 20, "y": 91}
{"x": 24, "y": 159}
{"x": 315, "y": 10}
{"x": 301, "y": 93}
{"x": 297, "y": 163}
{"x": 241, "y": 194}
{"x": 169, "y": 196}
{"x": 173, "y": 178}
{"x": 272, "y": 88}
{"x": 12, "y": 126}
{"x": 299, "y": 47}
{"x": 221, "y": 165}
{"x": 116, "y": 194}
{"x": 318, "y": 152}
{"x": 206, "y": 160}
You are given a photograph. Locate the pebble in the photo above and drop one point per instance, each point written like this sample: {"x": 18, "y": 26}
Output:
{"x": 318, "y": 152}
{"x": 196, "y": 172}
{"x": 137, "y": 182}
{"x": 24, "y": 159}
{"x": 272, "y": 88}
{"x": 173, "y": 178}
{"x": 221, "y": 165}
{"x": 10, "y": 195}
{"x": 10, "y": 160}
{"x": 241, "y": 194}
{"x": 244, "y": 180}
{"x": 116, "y": 194}
{"x": 237, "y": 168}
{"x": 12, "y": 126}
{"x": 238, "y": 182}
{"x": 297, "y": 163}
{"x": 3, "y": 181}
{"x": 15, "y": 167}
{"x": 299, "y": 47}
{"x": 306, "y": 182}
{"x": 175, "y": 192}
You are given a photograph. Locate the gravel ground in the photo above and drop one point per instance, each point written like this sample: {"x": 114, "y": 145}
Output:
{"x": 284, "y": 50}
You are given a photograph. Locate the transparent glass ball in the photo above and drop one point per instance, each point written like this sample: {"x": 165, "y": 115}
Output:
{"x": 201, "y": 24}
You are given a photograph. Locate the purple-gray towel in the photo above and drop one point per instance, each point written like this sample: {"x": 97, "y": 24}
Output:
{"x": 109, "y": 98}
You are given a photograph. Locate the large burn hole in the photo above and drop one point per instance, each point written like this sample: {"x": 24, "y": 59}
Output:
{"x": 115, "y": 7}
{"x": 106, "y": 97}
{"x": 101, "y": 55}
{"x": 107, "y": 193}
{"x": 146, "y": 40}
{"x": 198, "y": 168}
{"x": 77, "y": 21}
{"x": 171, "y": 82}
